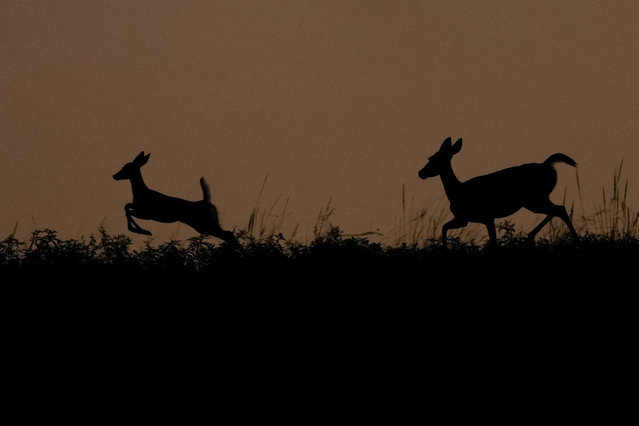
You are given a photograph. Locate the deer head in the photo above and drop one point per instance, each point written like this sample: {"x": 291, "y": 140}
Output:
{"x": 129, "y": 169}
{"x": 440, "y": 159}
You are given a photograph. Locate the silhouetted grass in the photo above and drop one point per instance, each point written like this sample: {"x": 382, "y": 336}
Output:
{"x": 201, "y": 254}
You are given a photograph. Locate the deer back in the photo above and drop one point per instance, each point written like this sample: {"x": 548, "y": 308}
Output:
{"x": 504, "y": 192}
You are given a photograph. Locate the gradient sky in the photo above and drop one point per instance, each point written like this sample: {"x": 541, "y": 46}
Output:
{"x": 331, "y": 99}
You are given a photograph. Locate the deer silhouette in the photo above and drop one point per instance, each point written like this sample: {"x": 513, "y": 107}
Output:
{"x": 152, "y": 205}
{"x": 499, "y": 194}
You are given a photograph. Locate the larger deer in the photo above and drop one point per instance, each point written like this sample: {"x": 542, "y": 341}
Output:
{"x": 484, "y": 198}
{"x": 148, "y": 204}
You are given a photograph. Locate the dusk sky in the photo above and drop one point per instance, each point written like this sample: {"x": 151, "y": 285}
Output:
{"x": 341, "y": 100}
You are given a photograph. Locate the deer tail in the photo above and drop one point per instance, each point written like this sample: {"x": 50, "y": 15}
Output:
{"x": 563, "y": 158}
{"x": 206, "y": 192}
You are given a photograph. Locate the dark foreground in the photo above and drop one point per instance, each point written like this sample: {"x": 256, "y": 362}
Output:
{"x": 339, "y": 315}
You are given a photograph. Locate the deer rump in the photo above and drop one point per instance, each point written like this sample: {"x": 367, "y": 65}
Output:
{"x": 504, "y": 192}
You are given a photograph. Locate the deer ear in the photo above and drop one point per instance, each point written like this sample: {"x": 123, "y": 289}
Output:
{"x": 446, "y": 144}
{"x": 141, "y": 159}
{"x": 457, "y": 146}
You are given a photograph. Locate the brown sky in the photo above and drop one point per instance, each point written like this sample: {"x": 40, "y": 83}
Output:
{"x": 341, "y": 99}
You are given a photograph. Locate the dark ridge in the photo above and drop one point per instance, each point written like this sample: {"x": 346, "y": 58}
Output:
{"x": 334, "y": 311}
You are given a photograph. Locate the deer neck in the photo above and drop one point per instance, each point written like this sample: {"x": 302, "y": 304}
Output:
{"x": 450, "y": 181}
{"x": 138, "y": 187}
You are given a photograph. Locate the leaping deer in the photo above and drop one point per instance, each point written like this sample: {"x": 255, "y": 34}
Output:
{"x": 499, "y": 194}
{"x": 152, "y": 205}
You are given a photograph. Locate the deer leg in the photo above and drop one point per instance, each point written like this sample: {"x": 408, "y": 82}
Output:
{"x": 455, "y": 223}
{"x": 534, "y": 232}
{"x": 551, "y": 210}
{"x": 131, "y": 224}
{"x": 215, "y": 229}
{"x": 211, "y": 226}
{"x": 563, "y": 215}
{"x": 229, "y": 238}
{"x": 492, "y": 233}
